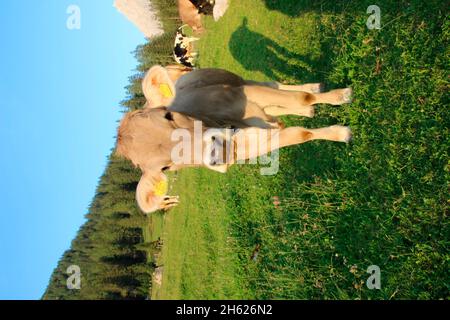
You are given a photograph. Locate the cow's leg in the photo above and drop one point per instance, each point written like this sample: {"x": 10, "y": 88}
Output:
{"x": 266, "y": 96}
{"x": 190, "y": 40}
{"x": 245, "y": 139}
{"x": 296, "y": 135}
{"x": 277, "y": 111}
{"x": 255, "y": 116}
{"x": 276, "y": 102}
{"x": 335, "y": 97}
{"x": 308, "y": 87}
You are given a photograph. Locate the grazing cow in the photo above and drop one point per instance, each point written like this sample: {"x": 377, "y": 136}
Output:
{"x": 183, "y": 50}
{"x": 191, "y": 11}
{"x": 203, "y": 105}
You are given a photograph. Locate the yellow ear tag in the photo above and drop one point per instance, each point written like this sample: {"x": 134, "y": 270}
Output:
{"x": 165, "y": 90}
{"x": 161, "y": 188}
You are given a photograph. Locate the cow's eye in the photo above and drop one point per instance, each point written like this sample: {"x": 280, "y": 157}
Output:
{"x": 165, "y": 168}
{"x": 168, "y": 116}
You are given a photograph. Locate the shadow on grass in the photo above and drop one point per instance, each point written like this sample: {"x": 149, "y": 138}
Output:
{"x": 288, "y": 7}
{"x": 255, "y": 52}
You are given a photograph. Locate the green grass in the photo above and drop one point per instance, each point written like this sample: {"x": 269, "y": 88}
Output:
{"x": 197, "y": 255}
{"x": 383, "y": 199}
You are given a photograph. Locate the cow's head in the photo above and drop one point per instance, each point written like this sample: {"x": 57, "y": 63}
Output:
{"x": 156, "y": 140}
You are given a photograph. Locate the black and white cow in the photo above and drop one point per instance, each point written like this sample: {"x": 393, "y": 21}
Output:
{"x": 183, "y": 50}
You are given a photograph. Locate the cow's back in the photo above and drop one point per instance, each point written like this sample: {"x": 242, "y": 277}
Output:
{"x": 207, "y": 77}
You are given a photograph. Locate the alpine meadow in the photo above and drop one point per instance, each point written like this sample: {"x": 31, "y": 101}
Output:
{"x": 333, "y": 210}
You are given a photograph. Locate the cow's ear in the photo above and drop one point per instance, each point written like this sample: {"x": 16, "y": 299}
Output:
{"x": 151, "y": 190}
{"x": 158, "y": 88}
{"x": 176, "y": 71}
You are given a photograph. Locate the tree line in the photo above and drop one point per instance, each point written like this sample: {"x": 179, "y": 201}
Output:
{"x": 110, "y": 249}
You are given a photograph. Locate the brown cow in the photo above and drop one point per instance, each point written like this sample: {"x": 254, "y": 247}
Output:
{"x": 190, "y": 11}
{"x": 215, "y": 99}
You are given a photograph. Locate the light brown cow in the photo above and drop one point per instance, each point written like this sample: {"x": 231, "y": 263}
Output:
{"x": 219, "y": 99}
{"x": 189, "y": 15}
{"x": 190, "y": 11}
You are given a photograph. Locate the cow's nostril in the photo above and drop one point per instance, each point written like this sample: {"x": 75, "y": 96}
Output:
{"x": 169, "y": 116}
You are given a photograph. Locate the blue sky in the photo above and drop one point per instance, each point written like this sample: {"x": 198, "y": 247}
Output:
{"x": 60, "y": 91}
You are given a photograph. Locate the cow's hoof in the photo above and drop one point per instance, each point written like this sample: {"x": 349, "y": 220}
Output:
{"x": 347, "y": 95}
{"x": 344, "y": 134}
